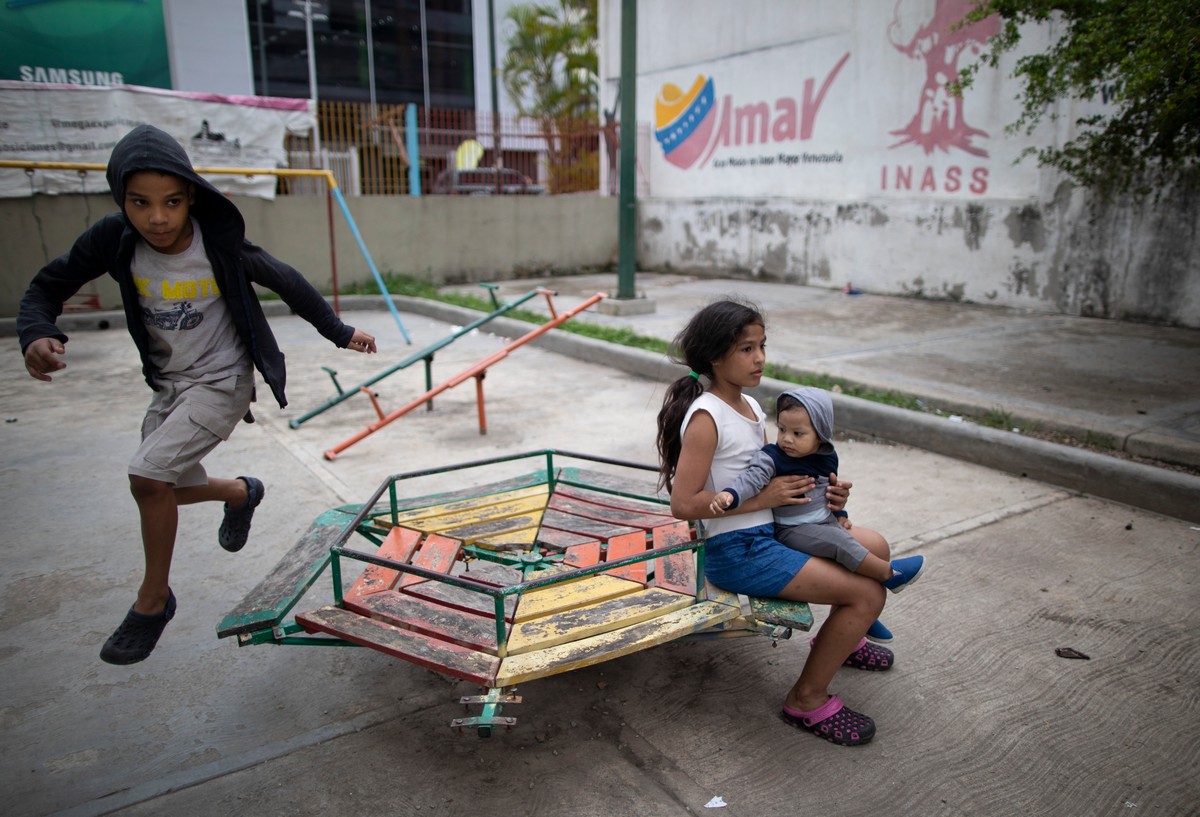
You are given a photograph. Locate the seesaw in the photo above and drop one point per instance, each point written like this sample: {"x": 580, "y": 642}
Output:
{"x": 478, "y": 371}
{"x": 425, "y": 355}
{"x": 503, "y": 583}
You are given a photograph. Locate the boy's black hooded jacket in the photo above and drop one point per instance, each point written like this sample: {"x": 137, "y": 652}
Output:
{"x": 107, "y": 247}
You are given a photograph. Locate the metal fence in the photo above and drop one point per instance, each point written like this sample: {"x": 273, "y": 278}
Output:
{"x": 371, "y": 151}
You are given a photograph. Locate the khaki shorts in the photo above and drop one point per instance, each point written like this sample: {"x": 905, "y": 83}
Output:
{"x": 185, "y": 421}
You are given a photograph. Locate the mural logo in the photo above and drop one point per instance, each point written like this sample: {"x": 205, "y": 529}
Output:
{"x": 691, "y": 126}
{"x": 683, "y": 122}
{"x": 938, "y": 122}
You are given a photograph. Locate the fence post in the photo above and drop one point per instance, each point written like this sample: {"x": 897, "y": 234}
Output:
{"x": 414, "y": 152}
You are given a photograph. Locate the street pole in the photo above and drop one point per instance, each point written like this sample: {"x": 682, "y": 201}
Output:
{"x": 371, "y": 59}
{"x": 627, "y": 234}
{"x": 497, "y": 162}
{"x": 425, "y": 66}
{"x": 308, "y": 16}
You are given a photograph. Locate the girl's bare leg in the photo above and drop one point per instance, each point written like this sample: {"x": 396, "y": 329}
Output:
{"x": 855, "y": 601}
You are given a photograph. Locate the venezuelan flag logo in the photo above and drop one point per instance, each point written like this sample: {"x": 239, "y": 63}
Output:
{"x": 683, "y": 122}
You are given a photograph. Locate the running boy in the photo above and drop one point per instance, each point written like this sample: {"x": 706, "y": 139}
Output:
{"x": 178, "y": 252}
{"x": 804, "y": 421}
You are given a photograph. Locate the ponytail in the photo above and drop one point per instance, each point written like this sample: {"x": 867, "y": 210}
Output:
{"x": 680, "y": 395}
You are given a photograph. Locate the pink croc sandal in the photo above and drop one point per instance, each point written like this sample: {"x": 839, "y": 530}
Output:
{"x": 834, "y": 721}
{"x": 870, "y": 657}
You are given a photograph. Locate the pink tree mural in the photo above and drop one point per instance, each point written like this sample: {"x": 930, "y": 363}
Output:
{"x": 935, "y": 39}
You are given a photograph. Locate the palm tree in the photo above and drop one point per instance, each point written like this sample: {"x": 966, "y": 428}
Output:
{"x": 550, "y": 73}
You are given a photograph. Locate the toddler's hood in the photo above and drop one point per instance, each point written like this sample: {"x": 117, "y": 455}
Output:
{"x": 819, "y": 406}
{"x": 149, "y": 148}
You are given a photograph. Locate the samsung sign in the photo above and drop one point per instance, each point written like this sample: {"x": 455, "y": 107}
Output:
{"x": 72, "y": 76}
{"x": 84, "y": 42}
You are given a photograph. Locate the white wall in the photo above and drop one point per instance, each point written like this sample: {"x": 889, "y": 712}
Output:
{"x": 828, "y": 154}
{"x": 208, "y": 44}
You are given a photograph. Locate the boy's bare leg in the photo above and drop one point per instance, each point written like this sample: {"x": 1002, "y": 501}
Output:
{"x": 159, "y": 512}
{"x": 232, "y": 492}
{"x": 158, "y": 504}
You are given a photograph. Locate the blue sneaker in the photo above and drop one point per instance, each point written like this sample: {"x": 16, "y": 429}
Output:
{"x": 878, "y": 633}
{"x": 907, "y": 571}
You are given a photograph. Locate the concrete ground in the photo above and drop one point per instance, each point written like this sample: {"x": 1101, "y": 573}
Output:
{"x": 979, "y": 716}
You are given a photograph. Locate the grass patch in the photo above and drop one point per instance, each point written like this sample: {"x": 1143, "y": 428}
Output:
{"x": 996, "y": 417}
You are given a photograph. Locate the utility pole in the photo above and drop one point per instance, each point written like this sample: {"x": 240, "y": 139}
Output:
{"x": 627, "y": 196}
{"x": 309, "y": 15}
{"x": 497, "y": 162}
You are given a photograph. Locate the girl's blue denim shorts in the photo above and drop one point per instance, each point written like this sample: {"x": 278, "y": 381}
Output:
{"x": 751, "y": 561}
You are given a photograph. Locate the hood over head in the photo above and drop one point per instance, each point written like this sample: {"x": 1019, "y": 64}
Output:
{"x": 819, "y": 406}
{"x": 149, "y": 148}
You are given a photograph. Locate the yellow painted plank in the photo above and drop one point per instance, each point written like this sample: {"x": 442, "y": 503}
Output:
{"x": 517, "y": 669}
{"x": 471, "y": 533}
{"x": 574, "y": 593}
{"x": 584, "y": 622}
{"x": 464, "y": 511}
{"x": 518, "y": 540}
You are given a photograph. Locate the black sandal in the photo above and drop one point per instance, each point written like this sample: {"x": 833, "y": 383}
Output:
{"x": 134, "y": 640}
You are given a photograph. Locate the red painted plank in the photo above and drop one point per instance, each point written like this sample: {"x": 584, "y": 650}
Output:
{"x": 628, "y": 517}
{"x": 583, "y": 526}
{"x": 397, "y": 546}
{"x": 634, "y": 506}
{"x": 428, "y": 618}
{"x": 554, "y": 539}
{"x": 677, "y": 571}
{"x": 628, "y": 544}
{"x": 437, "y": 553}
{"x": 584, "y": 555}
{"x": 439, "y": 656}
{"x": 470, "y": 601}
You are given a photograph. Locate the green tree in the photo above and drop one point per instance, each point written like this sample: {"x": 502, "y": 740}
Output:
{"x": 550, "y": 73}
{"x": 1141, "y": 57}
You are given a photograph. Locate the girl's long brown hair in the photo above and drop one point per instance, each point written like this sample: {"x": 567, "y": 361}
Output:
{"x": 707, "y": 337}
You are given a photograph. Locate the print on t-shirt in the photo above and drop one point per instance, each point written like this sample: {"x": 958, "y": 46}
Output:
{"x": 182, "y": 315}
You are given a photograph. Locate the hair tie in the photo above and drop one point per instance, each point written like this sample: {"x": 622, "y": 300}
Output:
{"x": 694, "y": 374}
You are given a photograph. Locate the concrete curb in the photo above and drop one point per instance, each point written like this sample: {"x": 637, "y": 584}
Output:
{"x": 1170, "y": 493}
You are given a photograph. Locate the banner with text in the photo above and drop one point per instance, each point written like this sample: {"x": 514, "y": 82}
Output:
{"x": 67, "y": 123}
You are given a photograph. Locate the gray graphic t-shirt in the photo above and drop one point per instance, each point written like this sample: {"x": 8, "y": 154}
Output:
{"x": 192, "y": 337}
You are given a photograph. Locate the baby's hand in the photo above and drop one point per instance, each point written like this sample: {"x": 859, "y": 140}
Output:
{"x": 720, "y": 502}
{"x": 844, "y": 521}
